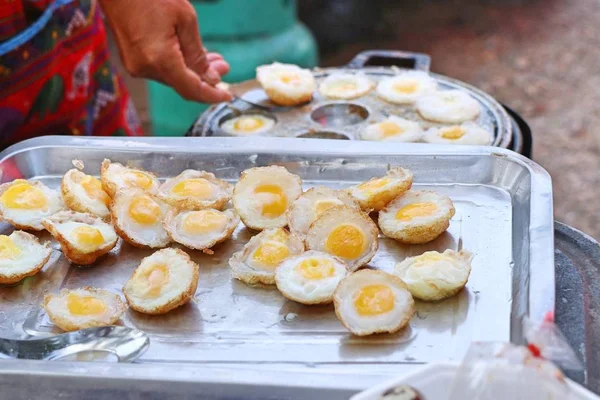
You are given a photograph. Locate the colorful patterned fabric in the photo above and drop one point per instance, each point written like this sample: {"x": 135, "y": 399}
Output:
{"x": 55, "y": 75}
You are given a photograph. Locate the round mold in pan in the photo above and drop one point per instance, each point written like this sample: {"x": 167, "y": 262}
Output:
{"x": 324, "y": 134}
{"x": 296, "y": 121}
{"x": 251, "y": 111}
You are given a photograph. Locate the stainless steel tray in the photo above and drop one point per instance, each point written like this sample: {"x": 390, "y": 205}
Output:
{"x": 504, "y": 215}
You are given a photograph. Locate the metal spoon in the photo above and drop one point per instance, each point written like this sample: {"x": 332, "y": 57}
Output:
{"x": 125, "y": 343}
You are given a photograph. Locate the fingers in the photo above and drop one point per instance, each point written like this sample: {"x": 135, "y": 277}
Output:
{"x": 221, "y": 66}
{"x": 201, "y": 70}
{"x": 193, "y": 51}
{"x": 191, "y": 87}
{"x": 213, "y": 56}
{"x": 211, "y": 94}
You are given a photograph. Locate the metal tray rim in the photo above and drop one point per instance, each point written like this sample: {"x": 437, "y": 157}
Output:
{"x": 541, "y": 249}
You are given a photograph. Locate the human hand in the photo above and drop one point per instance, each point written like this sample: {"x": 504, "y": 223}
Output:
{"x": 160, "y": 40}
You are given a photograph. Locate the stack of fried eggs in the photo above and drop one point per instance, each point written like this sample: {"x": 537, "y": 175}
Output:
{"x": 440, "y": 116}
{"x": 313, "y": 245}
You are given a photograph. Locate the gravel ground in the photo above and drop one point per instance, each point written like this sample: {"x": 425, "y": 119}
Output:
{"x": 542, "y": 58}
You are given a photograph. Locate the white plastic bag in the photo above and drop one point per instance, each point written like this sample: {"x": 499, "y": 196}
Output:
{"x": 497, "y": 371}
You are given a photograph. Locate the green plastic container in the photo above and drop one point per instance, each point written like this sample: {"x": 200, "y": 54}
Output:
{"x": 248, "y": 33}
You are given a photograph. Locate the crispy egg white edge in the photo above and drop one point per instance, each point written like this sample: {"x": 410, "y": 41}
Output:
{"x": 385, "y": 89}
{"x": 180, "y": 266}
{"x": 86, "y": 203}
{"x": 474, "y": 135}
{"x": 229, "y": 125}
{"x": 302, "y": 214}
{"x": 58, "y": 302}
{"x": 413, "y": 131}
{"x": 346, "y": 215}
{"x": 436, "y": 287}
{"x": 360, "y": 325}
{"x": 445, "y": 209}
{"x": 268, "y": 77}
{"x": 292, "y": 284}
{"x": 363, "y": 83}
{"x": 134, "y": 231}
{"x": 243, "y": 270}
{"x": 244, "y": 189}
{"x": 32, "y": 254}
{"x": 32, "y": 218}
{"x": 432, "y": 107}
{"x": 174, "y": 220}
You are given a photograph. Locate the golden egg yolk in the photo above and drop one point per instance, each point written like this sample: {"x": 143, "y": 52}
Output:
{"x": 8, "y": 249}
{"x": 373, "y": 185}
{"x": 389, "y": 129}
{"x": 290, "y": 78}
{"x": 346, "y": 241}
{"x": 271, "y": 254}
{"x": 275, "y": 202}
{"x": 343, "y": 86}
{"x": 406, "y": 87}
{"x": 414, "y": 210}
{"x": 144, "y": 210}
{"x": 203, "y": 221}
{"x": 85, "y": 305}
{"x": 23, "y": 195}
{"x": 88, "y": 237}
{"x": 248, "y": 124}
{"x": 374, "y": 300}
{"x": 139, "y": 179}
{"x": 453, "y": 133}
{"x": 153, "y": 279}
{"x": 198, "y": 187}
{"x": 316, "y": 268}
{"x": 93, "y": 188}
{"x": 323, "y": 205}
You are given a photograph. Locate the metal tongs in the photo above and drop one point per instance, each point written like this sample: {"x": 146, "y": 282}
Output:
{"x": 126, "y": 344}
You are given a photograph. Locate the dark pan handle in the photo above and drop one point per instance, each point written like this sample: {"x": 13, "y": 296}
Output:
{"x": 388, "y": 58}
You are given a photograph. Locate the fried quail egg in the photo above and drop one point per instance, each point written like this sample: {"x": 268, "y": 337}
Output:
{"x": 82, "y": 308}
{"x": 417, "y": 216}
{"x": 115, "y": 177}
{"x": 466, "y": 133}
{"x": 24, "y": 204}
{"x": 84, "y": 193}
{"x": 346, "y": 233}
{"x": 310, "y": 278}
{"x": 257, "y": 261}
{"x": 249, "y": 124}
{"x": 21, "y": 255}
{"x": 376, "y": 193}
{"x": 138, "y": 218}
{"x": 448, "y": 107}
{"x": 345, "y": 86}
{"x": 406, "y": 87}
{"x": 286, "y": 84}
{"x": 393, "y": 129}
{"x": 162, "y": 282}
{"x": 312, "y": 203}
{"x": 82, "y": 237}
{"x": 371, "y": 301}
{"x": 263, "y": 195}
{"x": 194, "y": 190}
{"x": 200, "y": 229}
{"x": 434, "y": 276}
